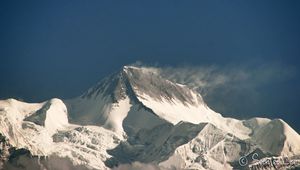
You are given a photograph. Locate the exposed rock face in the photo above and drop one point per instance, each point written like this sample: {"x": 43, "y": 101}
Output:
{"x": 4, "y": 150}
{"x": 135, "y": 117}
{"x": 12, "y": 158}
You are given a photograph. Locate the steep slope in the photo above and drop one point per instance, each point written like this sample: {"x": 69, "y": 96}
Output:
{"x": 53, "y": 115}
{"x": 113, "y": 105}
{"x": 133, "y": 95}
{"x": 136, "y": 115}
{"x": 43, "y": 130}
{"x": 285, "y": 141}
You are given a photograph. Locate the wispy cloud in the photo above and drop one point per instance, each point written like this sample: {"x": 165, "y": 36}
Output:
{"x": 229, "y": 88}
{"x": 206, "y": 79}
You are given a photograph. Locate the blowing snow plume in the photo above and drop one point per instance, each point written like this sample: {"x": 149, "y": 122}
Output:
{"x": 138, "y": 118}
{"x": 234, "y": 90}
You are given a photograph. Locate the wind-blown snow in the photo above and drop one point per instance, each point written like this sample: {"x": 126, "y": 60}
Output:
{"x": 135, "y": 115}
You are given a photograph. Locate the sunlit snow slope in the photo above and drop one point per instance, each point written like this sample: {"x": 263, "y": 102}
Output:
{"x": 135, "y": 115}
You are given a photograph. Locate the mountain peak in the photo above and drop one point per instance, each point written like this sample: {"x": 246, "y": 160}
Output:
{"x": 147, "y": 82}
{"x": 135, "y": 113}
{"x": 134, "y": 89}
{"x": 128, "y": 67}
{"x": 145, "y": 70}
{"x": 143, "y": 82}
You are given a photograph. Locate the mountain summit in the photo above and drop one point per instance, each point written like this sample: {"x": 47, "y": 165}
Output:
{"x": 135, "y": 95}
{"x": 135, "y": 115}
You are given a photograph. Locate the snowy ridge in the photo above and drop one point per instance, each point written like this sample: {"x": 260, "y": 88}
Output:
{"x": 285, "y": 139}
{"x": 43, "y": 129}
{"x": 164, "y": 100}
{"x": 52, "y": 115}
{"x": 136, "y": 114}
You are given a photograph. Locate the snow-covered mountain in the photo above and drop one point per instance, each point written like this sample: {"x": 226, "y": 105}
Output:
{"x": 135, "y": 115}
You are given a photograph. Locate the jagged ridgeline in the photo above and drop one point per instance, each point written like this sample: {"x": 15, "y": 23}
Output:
{"x": 135, "y": 115}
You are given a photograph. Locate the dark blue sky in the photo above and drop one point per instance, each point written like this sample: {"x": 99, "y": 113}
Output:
{"x": 60, "y": 48}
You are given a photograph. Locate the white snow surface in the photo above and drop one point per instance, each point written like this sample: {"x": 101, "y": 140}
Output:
{"x": 56, "y": 116}
{"x": 84, "y": 128}
{"x": 117, "y": 114}
{"x": 82, "y": 144}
